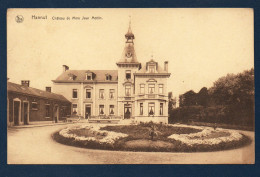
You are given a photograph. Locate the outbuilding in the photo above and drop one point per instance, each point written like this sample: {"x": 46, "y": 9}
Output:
{"x": 26, "y": 105}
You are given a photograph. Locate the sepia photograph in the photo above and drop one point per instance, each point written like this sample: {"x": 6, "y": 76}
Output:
{"x": 130, "y": 86}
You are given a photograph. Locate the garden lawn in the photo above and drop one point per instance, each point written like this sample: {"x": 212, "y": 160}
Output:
{"x": 137, "y": 138}
{"x": 141, "y": 131}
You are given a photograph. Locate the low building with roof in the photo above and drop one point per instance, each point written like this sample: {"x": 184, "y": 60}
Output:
{"x": 130, "y": 92}
{"x": 26, "y": 104}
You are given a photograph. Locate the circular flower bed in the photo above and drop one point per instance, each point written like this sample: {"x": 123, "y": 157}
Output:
{"x": 151, "y": 137}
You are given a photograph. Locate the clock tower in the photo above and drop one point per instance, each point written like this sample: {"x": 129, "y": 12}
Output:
{"x": 127, "y": 66}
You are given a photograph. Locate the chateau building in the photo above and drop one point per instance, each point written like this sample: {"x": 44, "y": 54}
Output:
{"x": 130, "y": 92}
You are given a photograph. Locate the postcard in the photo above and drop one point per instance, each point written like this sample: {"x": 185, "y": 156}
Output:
{"x": 130, "y": 86}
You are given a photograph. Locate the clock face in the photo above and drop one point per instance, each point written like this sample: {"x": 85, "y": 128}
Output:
{"x": 128, "y": 54}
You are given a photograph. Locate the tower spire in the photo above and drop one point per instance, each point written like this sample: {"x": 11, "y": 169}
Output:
{"x": 129, "y": 55}
{"x": 129, "y": 35}
{"x": 129, "y": 28}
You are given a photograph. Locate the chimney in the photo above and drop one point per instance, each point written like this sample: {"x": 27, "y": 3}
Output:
{"x": 65, "y": 68}
{"x": 25, "y": 83}
{"x": 166, "y": 66}
{"x": 48, "y": 89}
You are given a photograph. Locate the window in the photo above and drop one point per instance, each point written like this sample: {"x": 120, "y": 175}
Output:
{"x": 112, "y": 93}
{"x": 161, "y": 108}
{"x": 108, "y": 77}
{"x": 128, "y": 74}
{"x": 160, "y": 88}
{"x": 101, "y": 110}
{"x": 88, "y": 93}
{"x": 34, "y": 105}
{"x": 142, "y": 88}
{"x": 141, "y": 108}
{"x": 101, "y": 94}
{"x": 89, "y": 76}
{"x": 72, "y": 76}
{"x": 74, "y": 93}
{"x": 74, "y": 108}
{"x": 128, "y": 90}
{"x": 151, "y": 109}
{"x": 151, "y": 69}
{"x": 151, "y": 88}
{"x": 47, "y": 110}
{"x": 111, "y": 110}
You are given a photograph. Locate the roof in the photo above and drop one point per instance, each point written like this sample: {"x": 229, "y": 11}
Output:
{"x": 80, "y": 75}
{"x": 129, "y": 33}
{"x": 144, "y": 70}
{"x": 12, "y": 87}
{"x": 129, "y": 49}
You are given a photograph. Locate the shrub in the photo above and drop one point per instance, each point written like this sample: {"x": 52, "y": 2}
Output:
{"x": 227, "y": 114}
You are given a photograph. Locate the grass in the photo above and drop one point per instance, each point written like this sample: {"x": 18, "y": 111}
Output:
{"x": 139, "y": 139}
{"x": 222, "y": 125}
{"x": 141, "y": 131}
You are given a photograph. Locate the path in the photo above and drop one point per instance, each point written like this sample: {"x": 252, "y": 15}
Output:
{"x": 35, "y": 146}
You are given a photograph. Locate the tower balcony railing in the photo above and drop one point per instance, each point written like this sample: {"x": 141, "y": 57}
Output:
{"x": 151, "y": 96}
{"x": 128, "y": 80}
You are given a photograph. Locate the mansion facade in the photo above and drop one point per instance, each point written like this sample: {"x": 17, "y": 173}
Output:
{"x": 132, "y": 91}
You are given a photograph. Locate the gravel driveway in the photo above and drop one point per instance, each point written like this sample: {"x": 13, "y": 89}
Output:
{"x": 36, "y": 146}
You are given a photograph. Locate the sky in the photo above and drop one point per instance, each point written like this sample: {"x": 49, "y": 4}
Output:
{"x": 201, "y": 45}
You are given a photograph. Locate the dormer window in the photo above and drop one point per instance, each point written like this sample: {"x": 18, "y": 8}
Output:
{"x": 89, "y": 76}
{"x": 72, "y": 76}
{"x": 152, "y": 68}
{"x": 108, "y": 77}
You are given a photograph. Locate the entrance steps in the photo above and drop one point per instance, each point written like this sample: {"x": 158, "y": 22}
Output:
{"x": 127, "y": 121}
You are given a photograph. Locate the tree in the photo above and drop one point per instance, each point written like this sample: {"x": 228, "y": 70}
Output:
{"x": 236, "y": 94}
{"x": 189, "y": 98}
{"x": 202, "y": 97}
{"x": 234, "y": 89}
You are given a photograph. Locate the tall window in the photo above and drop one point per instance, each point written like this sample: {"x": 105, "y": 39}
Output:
{"x": 101, "y": 94}
{"x": 151, "y": 109}
{"x": 128, "y": 74}
{"x": 47, "y": 110}
{"x": 88, "y": 93}
{"x": 112, "y": 93}
{"x": 101, "y": 110}
{"x": 151, "y": 88}
{"x": 160, "y": 88}
{"x": 161, "y": 108}
{"x": 34, "y": 106}
{"x": 111, "y": 110}
{"x": 128, "y": 90}
{"x": 74, "y": 93}
{"x": 142, "y": 88}
{"x": 141, "y": 108}
{"x": 74, "y": 108}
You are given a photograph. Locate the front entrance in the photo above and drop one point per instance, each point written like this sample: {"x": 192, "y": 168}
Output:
{"x": 87, "y": 111}
{"x": 16, "y": 112}
{"x": 127, "y": 111}
{"x": 25, "y": 113}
